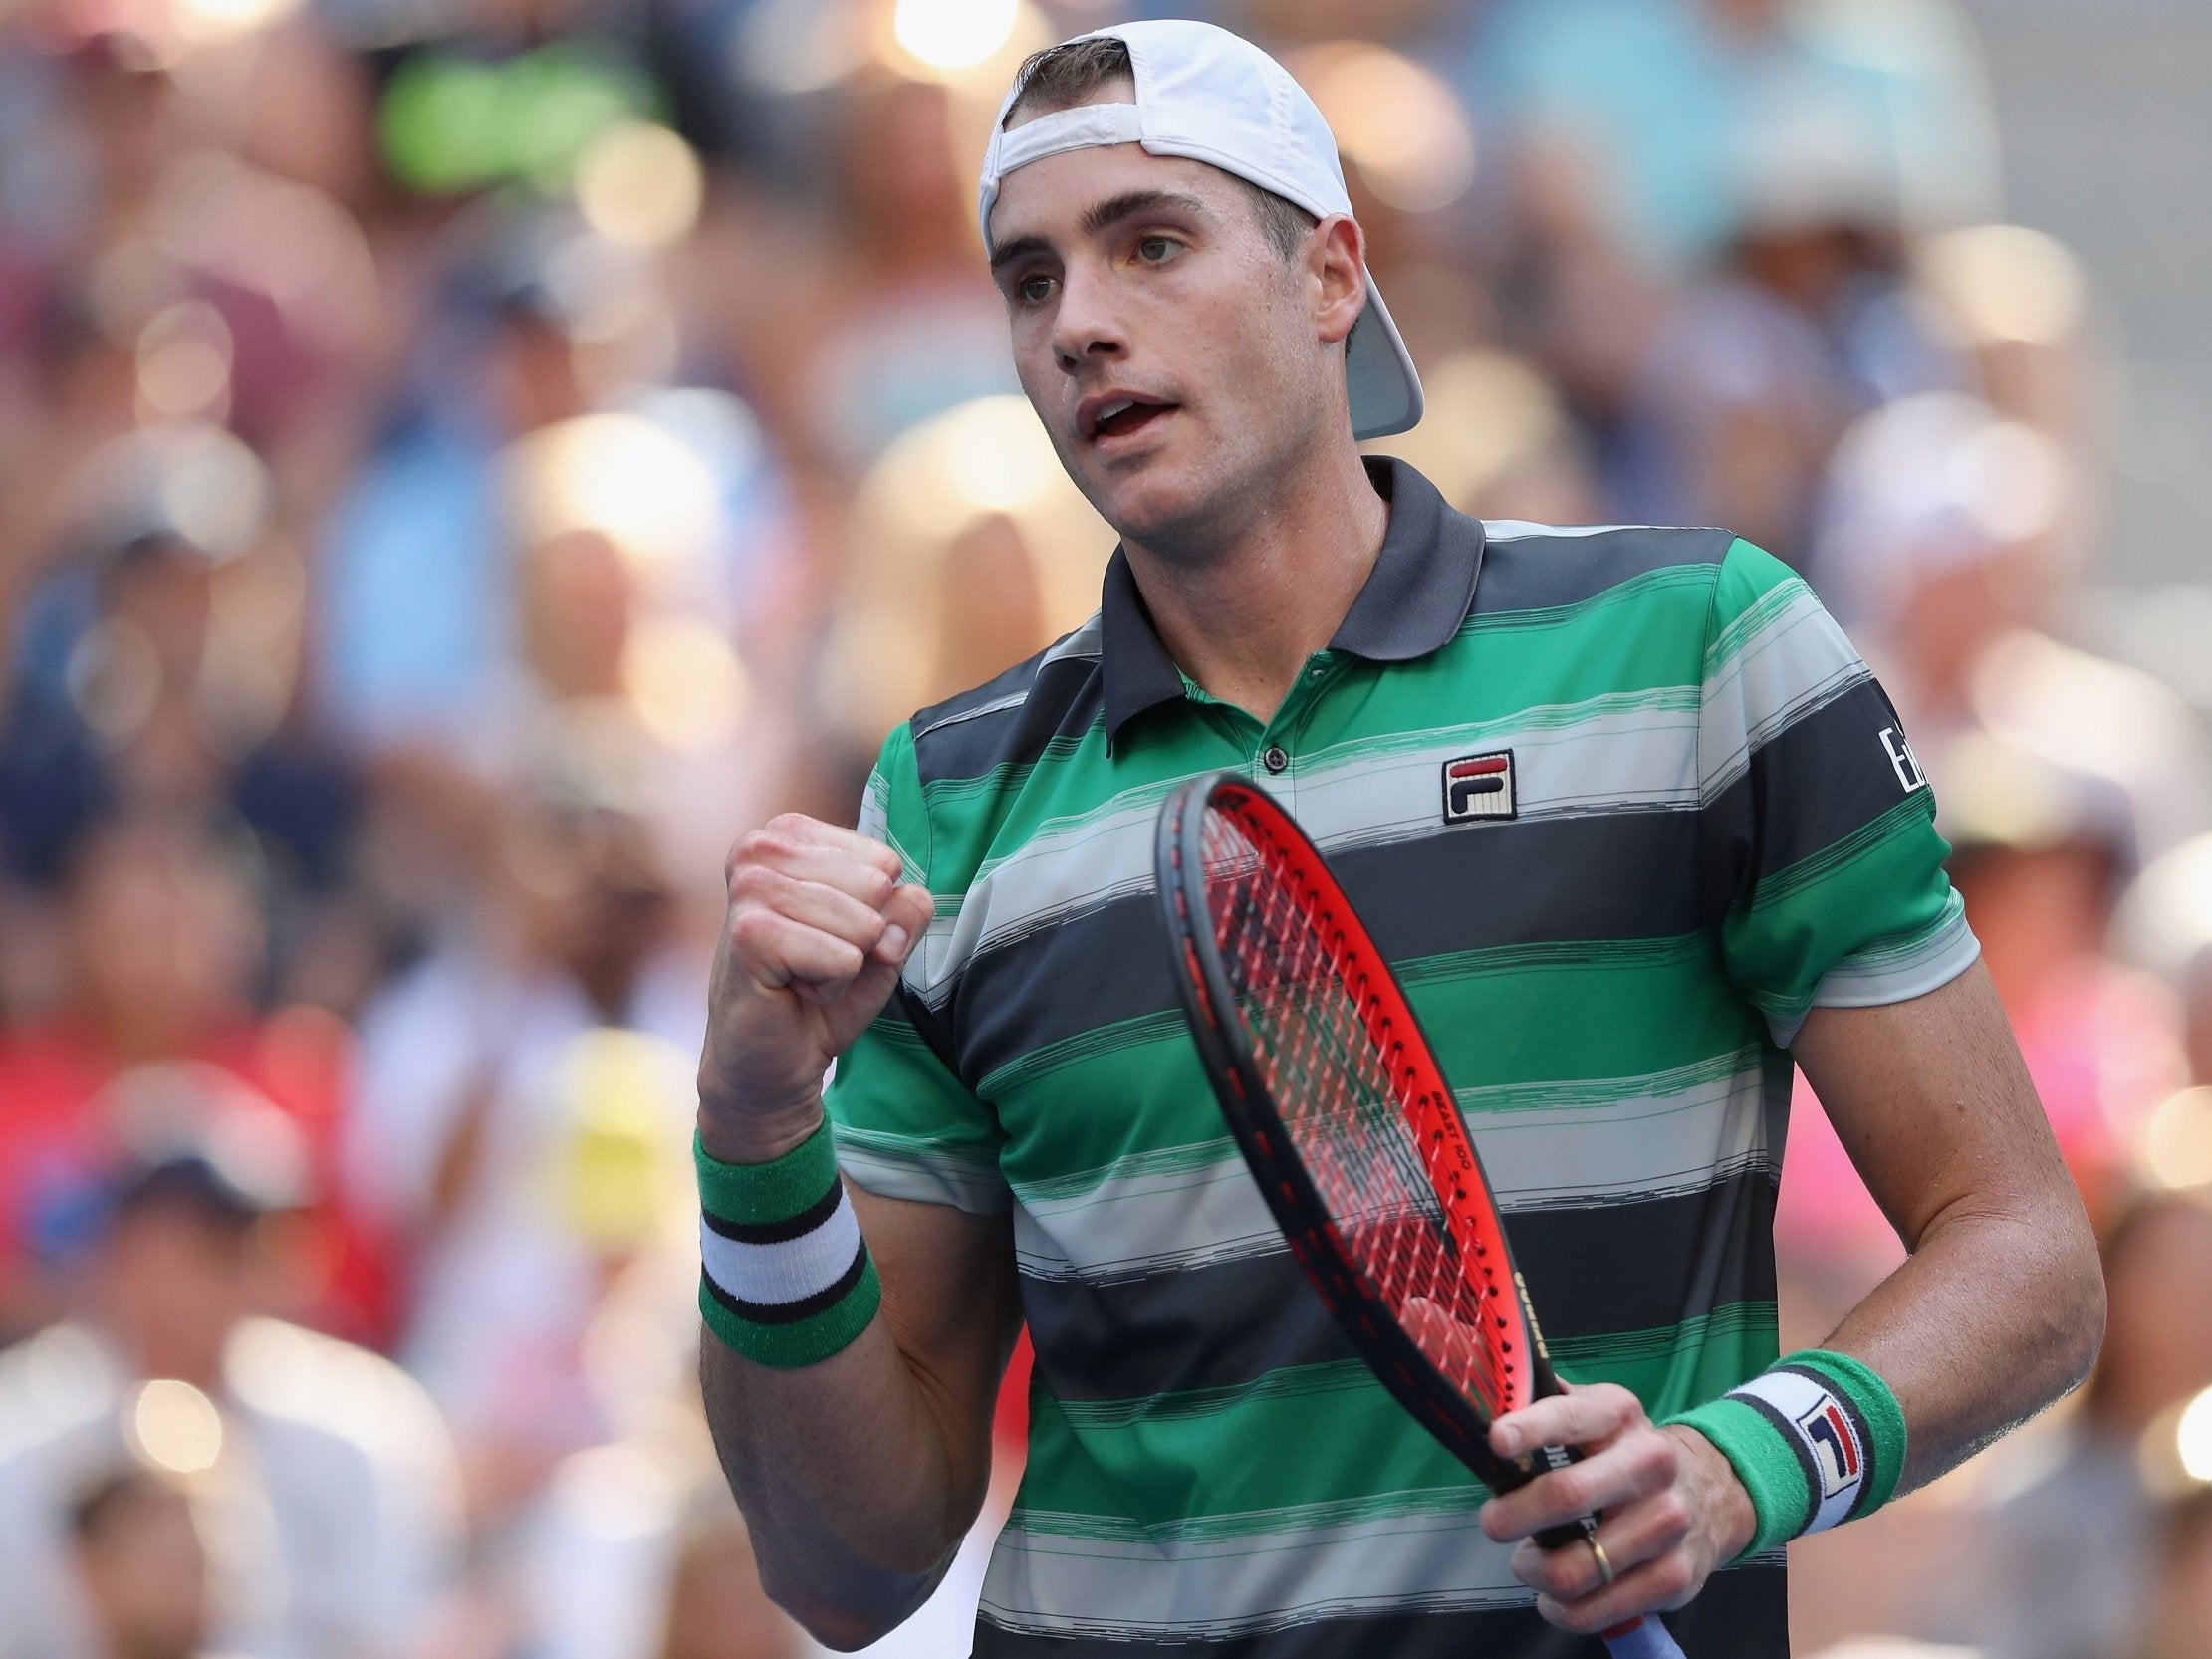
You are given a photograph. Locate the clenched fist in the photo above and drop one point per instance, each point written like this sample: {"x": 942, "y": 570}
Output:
{"x": 818, "y": 925}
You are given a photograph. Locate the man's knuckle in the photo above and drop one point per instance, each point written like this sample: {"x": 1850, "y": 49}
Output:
{"x": 1670, "y": 1516}
{"x": 1654, "y": 1461}
{"x": 756, "y": 848}
{"x": 755, "y": 883}
{"x": 753, "y": 932}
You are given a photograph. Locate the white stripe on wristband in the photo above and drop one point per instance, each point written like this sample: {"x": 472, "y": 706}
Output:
{"x": 780, "y": 1271}
{"x": 1824, "y": 1429}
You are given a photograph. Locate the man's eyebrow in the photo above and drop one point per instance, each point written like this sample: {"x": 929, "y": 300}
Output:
{"x": 1005, "y": 253}
{"x": 1101, "y": 215}
{"x": 1130, "y": 203}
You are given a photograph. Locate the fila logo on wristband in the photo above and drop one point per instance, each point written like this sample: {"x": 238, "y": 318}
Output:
{"x": 778, "y": 1272}
{"x": 1824, "y": 1431}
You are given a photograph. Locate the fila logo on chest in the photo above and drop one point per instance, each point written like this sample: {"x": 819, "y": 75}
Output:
{"x": 1479, "y": 786}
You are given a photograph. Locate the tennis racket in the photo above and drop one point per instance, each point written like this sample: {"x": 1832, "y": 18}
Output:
{"x": 1341, "y": 1109}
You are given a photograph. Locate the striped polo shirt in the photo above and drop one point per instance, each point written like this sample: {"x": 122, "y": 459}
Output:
{"x": 1619, "y": 804}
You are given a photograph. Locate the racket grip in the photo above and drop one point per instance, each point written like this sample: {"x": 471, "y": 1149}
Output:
{"x": 1648, "y": 1638}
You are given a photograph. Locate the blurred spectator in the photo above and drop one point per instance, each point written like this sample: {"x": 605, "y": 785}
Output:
{"x": 1423, "y": 183}
{"x": 462, "y": 463}
{"x": 630, "y": 1559}
{"x": 496, "y": 495}
{"x": 524, "y": 1106}
{"x": 156, "y": 670}
{"x": 142, "y": 1565}
{"x": 2017, "y": 301}
{"x": 1644, "y": 108}
{"x": 2040, "y": 855}
{"x": 1941, "y": 548}
{"x": 1497, "y": 441}
{"x": 1806, "y": 324}
{"x": 2165, "y": 925}
{"x": 970, "y": 552}
{"x": 2065, "y": 1552}
{"x": 160, "y": 948}
{"x": 868, "y": 305}
{"x": 328, "y": 1479}
{"x": 2181, "y": 1605}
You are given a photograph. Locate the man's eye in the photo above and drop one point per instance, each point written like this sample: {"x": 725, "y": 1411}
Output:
{"x": 1034, "y": 290}
{"x": 1155, "y": 249}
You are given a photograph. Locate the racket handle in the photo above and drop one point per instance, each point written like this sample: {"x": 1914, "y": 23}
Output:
{"x": 1646, "y": 1638}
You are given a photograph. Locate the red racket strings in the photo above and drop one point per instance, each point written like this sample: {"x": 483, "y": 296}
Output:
{"x": 1328, "y": 1048}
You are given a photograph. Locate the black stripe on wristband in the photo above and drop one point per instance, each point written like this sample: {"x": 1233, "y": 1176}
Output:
{"x": 791, "y": 1312}
{"x": 779, "y": 1232}
{"x": 1795, "y": 1440}
{"x": 1868, "y": 1485}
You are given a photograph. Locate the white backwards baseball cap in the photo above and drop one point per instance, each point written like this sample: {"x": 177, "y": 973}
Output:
{"x": 1205, "y": 94}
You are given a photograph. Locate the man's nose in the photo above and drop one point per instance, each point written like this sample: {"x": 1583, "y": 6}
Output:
{"x": 1086, "y": 326}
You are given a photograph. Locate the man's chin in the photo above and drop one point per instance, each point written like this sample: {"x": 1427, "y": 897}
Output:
{"x": 1148, "y": 504}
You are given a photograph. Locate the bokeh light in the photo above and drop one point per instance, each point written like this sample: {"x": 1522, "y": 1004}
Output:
{"x": 2007, "y": 284}
{"x": 685, "y": 681}
{"x": 175, "y": 1427}
{"x": 2193, "y": 1438}
{"x": 203, "y": 19}
{"x": 184, "y": 359}
{"x": 2178, "y": 1140}
{"x": 620, "y": 475}
{"x": 1398, "y": 124}
{"x": 955, "y": 34}
{"x": 640, "y": 183}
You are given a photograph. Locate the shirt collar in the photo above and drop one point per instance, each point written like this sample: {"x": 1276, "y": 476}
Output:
{"x": 1419, "y": 592}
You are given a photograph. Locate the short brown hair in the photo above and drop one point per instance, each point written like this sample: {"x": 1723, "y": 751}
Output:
{"x": 1065, "y": 77}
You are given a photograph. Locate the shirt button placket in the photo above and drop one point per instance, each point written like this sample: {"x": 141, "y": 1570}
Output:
{"x": 1274, "y": 758}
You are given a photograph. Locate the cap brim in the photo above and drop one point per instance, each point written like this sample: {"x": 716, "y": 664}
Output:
{"x": 1379, "y": 374}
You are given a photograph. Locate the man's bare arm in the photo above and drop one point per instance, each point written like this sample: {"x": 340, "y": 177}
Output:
{"x": 1996, "y": 1312}
{"x": 2000, "y": 1307}
{"x": 859, "y": 1474}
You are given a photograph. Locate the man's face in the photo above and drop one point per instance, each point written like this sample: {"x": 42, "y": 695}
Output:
{"x": 1170, "y": 350}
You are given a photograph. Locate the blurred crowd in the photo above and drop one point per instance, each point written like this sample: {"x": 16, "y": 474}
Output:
{"x": 465, "y": 461}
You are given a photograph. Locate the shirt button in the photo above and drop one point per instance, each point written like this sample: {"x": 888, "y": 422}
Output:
{"x": 1275, "y": 760}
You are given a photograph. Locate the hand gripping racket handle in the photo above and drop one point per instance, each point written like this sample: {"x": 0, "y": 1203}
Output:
{"x": 1639, "y": 1638}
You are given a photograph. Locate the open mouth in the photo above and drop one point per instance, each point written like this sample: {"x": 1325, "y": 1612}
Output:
{"x": 1124, "y": 416}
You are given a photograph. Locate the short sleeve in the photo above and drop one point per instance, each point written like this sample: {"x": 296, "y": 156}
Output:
{"x": 1819, "y": 824}
{"x": 906, "y": 1125}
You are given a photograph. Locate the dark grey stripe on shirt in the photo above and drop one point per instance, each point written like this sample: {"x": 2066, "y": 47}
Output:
{"x": 1832, "y": 767}
{"x": 1742, "y": 1614}
{"x": 1537, "y": 573}
{"x": 1610, "y": 876}
{"x": 1590, "y": 1272}
{"x": 1067, "y": 696}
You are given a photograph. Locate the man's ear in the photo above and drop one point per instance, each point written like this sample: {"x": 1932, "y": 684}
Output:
{"x": 1337, "y": 260}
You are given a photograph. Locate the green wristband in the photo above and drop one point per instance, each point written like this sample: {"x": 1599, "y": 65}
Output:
{"x": 1817, "y": 1438}
{"x": 785, "y": 1279}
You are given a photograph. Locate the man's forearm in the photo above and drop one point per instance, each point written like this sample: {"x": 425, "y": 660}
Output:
{"x": 854, "y": 1499}
{"x": 2000, "y": 1307}
{"x": 1989, "y": 1320}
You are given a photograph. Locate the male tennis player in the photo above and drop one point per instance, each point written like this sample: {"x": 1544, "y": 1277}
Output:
{"x": 1637, "y": 827}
